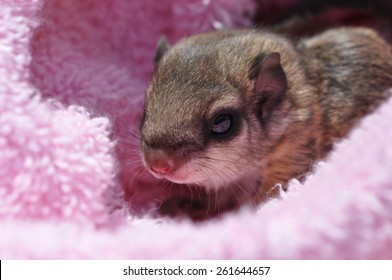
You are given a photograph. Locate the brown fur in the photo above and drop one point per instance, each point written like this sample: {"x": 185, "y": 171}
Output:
{"x": 349, "y": 70}
{"x": 333, "y": 79}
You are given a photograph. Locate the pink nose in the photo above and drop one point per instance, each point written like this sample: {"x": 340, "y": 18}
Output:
{"x": 160, "y": 162}
{"x": 162, "y": 170}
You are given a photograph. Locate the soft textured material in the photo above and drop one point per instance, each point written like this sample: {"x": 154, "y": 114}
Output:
{"x": 72, "y": 80}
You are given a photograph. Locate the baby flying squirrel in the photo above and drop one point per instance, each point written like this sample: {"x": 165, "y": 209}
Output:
{"x": 250, "y": 109}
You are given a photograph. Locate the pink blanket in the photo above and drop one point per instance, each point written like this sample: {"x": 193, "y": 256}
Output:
{"x": 72, "y": 81}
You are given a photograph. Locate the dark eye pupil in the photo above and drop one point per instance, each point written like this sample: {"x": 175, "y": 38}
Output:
{"x": 222, "y": 124}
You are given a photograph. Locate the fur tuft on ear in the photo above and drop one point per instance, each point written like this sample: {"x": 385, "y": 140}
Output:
{"x": 162, "y": 48}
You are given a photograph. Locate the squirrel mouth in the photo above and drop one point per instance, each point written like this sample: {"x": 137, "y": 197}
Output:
{"x": 174, "y": 176}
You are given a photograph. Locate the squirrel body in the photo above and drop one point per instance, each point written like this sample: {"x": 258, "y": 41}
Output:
{"x": 249, "y": 109}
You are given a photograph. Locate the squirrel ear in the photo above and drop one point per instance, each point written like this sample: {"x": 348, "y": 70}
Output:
{"x": 162, "y": 48}
{"x": 270, "y": 76}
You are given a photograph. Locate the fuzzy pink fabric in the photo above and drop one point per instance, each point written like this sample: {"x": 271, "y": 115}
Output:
{"x": 72, "y": 81}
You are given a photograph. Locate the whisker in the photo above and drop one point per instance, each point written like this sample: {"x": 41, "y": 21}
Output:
{"x": 225, "y": 175}
{"x": 215, "y": 171}
{"x": 191, "y": 191}
{"x": 208, "y": 195}
{"x": 128, "y": 136}
{"x": 217, "y": 203}
{"x": 136, "y": 176}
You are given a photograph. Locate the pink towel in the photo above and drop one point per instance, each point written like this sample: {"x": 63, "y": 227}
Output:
{"x": 72, "y": 80}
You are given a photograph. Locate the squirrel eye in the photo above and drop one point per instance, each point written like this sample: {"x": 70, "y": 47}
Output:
{"x": 222, "y": 124}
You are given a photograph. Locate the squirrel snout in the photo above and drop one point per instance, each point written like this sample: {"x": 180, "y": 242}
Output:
{"x": 162, "y": 169}
{"x": 159, "y": 162}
